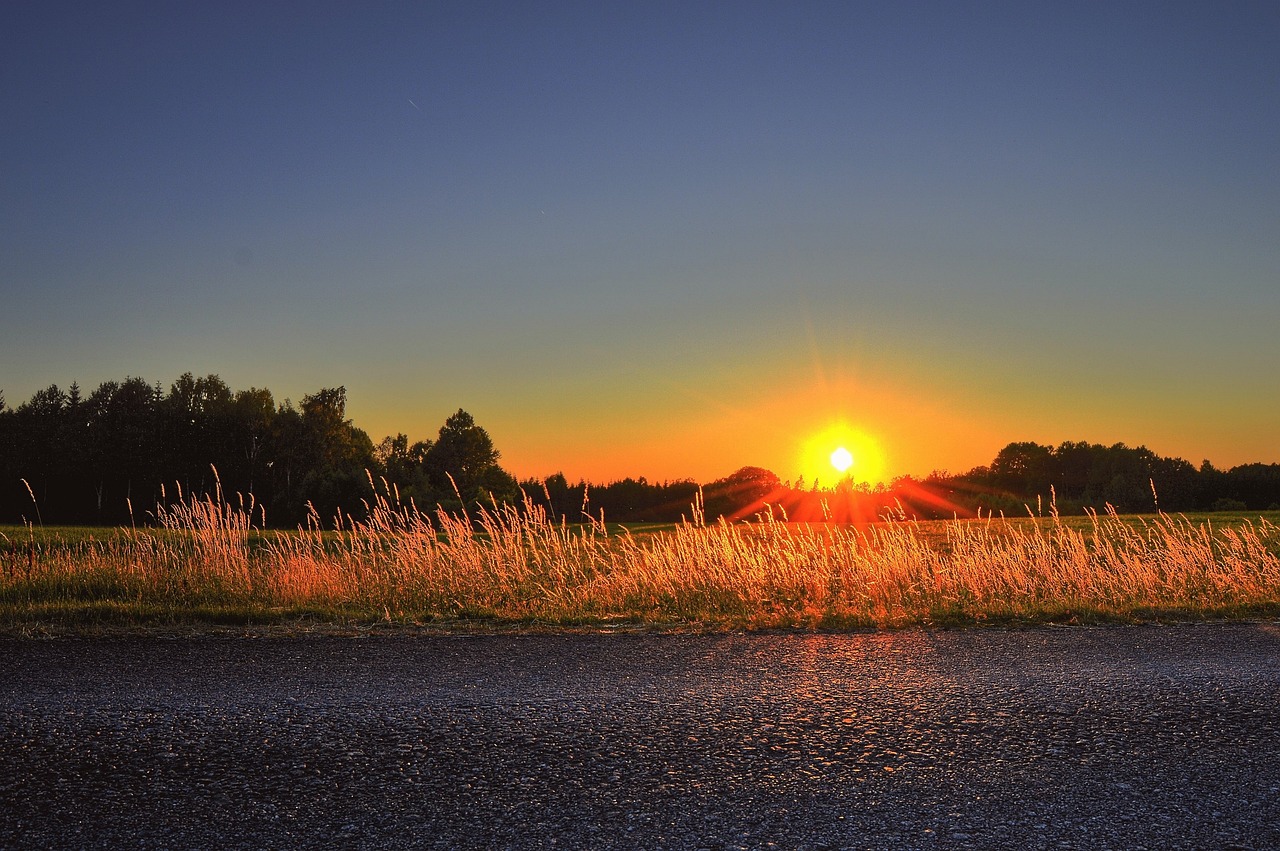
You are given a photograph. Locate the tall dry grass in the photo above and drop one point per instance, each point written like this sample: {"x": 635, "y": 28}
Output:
{"x": 204, "y": 559}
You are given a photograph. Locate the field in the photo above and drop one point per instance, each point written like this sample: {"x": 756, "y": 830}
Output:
{"x": 203, "y": 564}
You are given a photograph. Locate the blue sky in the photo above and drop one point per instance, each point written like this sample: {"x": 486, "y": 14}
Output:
{"x": 661, "y": 239}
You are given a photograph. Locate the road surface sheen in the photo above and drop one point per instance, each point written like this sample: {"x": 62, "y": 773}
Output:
{"x": 1125, "y": 737}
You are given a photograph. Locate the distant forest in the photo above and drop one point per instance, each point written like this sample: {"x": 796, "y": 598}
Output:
{"x": 113, "y": 456}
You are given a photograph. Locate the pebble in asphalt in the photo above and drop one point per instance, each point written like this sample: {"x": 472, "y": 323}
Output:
{"x": 1139, "y": 737}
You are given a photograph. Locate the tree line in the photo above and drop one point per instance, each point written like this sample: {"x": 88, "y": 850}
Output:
{"x": 112, "y": 456}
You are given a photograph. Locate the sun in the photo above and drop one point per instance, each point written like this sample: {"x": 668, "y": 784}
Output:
{"x": 841, "y": 452}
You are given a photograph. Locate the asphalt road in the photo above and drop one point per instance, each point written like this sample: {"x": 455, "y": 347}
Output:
{"x": 1151, "y": 737}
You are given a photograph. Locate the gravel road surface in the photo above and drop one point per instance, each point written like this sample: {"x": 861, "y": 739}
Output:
{"x": 1142, "y": 737}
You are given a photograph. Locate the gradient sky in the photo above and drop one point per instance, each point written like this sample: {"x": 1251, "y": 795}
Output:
{"x": 661, "y": 240}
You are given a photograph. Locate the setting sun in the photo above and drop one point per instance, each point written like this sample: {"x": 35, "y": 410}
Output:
{"x": 848, "y": 452}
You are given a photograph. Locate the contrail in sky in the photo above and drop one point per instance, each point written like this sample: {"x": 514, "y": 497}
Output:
{"x": 415, "y": 106}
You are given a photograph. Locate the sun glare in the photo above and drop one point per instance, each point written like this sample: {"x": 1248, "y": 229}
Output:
{"x": 841, "y": 452}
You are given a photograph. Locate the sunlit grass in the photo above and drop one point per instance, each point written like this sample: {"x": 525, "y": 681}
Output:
{"x": 204, "y": 562}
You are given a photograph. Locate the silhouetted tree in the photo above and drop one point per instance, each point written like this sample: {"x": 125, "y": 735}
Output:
{"x": 562, "y": 500}
{"x": 197, "y": 425}
{"x": 1025, "y": 468}
{"x": 743, "y": 492}
{"x": 1213, "y": 484}
{"x": 252, "y": 413}
{"x": 463, "y": 457}
{"x": 404, "y": 465}
{"x": 337, "y": 456}
{"x": 124, "y": 457}
{"x": 36, "y": 425}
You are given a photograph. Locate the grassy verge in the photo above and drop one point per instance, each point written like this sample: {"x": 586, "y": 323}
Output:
{"x": 205, "y": 567}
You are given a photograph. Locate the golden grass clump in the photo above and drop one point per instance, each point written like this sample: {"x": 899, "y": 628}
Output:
{"x": 207, "y": 558}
